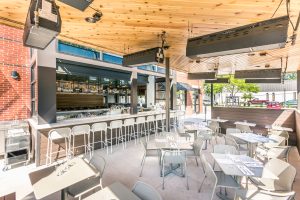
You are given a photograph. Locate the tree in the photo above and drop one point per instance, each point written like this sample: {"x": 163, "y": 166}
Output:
{"x": 233, "y": 87}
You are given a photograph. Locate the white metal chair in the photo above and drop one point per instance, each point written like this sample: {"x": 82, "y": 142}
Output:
{"x": 130, "y": 130}
{"x": 235, "y": 130}
{"x": 141, "y": 127}
{"x": 231, "y": 141}
{"x": 215, "y": 128}
{"x": 218, "y": 179}
{"x": 197, "y": 150}
{"x": 284, "y": 134}
{"x": 116, "y": 127}
{"x": 101, "y": 128}
{"x": 84, "y": 131}
{"x": 244, "y": 128}
{"x": 224, "y": 149}
{"x": 280, "y": 152}
{"x": 159, "y": 123}
{"x": 57, "y": 135}
{"x": 276, "y": 141}
{"x": 145, "y": 191}
{"x": 147, "y": 153}
{"x": 285, "y": 173}
{"x": 80, "y": 188}
{"x": 174, "y": 157}
{"x": 256, "y": 194}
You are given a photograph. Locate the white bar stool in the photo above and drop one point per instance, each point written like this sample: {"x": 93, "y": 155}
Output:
{"x": 172, "y": 120}
{"x": 158, "y": 119}
{"x": 151, "y": 125}
{"x": 102, "y": 129}
{"x": 129, "y": 129}
{"x": 56, "y": 135}
{"x": 117, "y": 126}
{"x": 141, "y": 126}
{"x": 81, "y": 130}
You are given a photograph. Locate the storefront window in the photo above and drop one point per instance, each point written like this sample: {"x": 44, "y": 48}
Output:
{"x": 112, "y": 58}
{"x": 77, "y": 50}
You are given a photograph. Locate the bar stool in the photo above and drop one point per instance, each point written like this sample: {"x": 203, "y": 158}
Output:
{"x": 56, "y": 135}
{"x": 172, "y": 120}
{"x": 151, "y": 125}
{"x": 158, "y": 119}
{"x": 141, "y": 126}
{"x": 102, "y": 129}
{"x": 117, "y": 126}
{"x": 81, "y": 130}
{"x": 164, "y": 122}
{"x": 129, "y": 129}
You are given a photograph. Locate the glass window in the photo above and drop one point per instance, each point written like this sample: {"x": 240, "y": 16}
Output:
{"x": 77, "y": 50}
{"x": 112, "y": 58}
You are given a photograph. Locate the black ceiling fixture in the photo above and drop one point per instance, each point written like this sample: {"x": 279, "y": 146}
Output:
{"x": 149, "y": 56}
{"x": 263, "y": 35}
{"x": 78, "y": 4}
{"x": 95, "y": 18}
{"x": 43, "y": 24}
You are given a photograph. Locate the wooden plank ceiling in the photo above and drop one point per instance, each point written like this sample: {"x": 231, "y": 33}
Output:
{"x": 132, "y": 25}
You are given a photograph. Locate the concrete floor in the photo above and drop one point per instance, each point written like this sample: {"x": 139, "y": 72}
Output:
{"x": 123, "y": 165}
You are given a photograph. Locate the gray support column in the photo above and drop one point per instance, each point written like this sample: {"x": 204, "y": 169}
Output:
{"x": 168, "y": 93}
{"x": 298, "y": 89}
{"x": 133, "y": 94}
{"x": 173, "y": 92}
{"x": 212, "y": 95}
{"x": 46, "y": 95}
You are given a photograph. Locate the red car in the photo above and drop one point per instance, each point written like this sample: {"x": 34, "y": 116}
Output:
{"x": 258, "y": 101}
{"x": 274, "y": 105}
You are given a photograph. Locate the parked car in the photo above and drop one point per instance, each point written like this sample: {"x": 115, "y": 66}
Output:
{"x": 290, "y": 103}
{"x": 274, "y": 105}
{"x": 258, "y": 101}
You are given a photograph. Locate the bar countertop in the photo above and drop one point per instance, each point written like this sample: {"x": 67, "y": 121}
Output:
{"x": 72, "y": 122}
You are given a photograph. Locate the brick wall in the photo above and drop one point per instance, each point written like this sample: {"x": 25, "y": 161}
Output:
{"x": 14, "y": 94}
{"x": 182, "y": 77}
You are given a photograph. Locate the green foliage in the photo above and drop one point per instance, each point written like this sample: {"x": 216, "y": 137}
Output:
{"x": 290, "y": 76}
{"x": 234, "y": 86}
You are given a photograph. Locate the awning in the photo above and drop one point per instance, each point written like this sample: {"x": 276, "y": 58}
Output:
{"x": 184, "y": 86}
{"x": 75, "y": 68}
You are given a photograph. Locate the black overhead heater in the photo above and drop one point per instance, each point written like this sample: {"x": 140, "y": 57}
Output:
{"x": 264, "y": 35}
{"x": 218, "y": 80}
{"x": 43, "y": 24}
{"x": 275, "y": 80}
{"x": 78, "y": 4}
{"x": 202, "y": 75}
{"x": 258, "y": 74}
{"x": 149, "y": 56}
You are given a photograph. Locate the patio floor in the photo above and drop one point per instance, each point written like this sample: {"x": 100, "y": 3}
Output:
{"x": 124, "y": 166}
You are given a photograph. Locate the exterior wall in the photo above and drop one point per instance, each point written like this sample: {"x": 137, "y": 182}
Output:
{"x": 182, "y": 78}
{"x": 14, "y": 94}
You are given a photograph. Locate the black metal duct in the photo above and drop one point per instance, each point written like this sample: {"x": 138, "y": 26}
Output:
{"x": 39, "y": 34}
{"x": 78, "y": 4}
{"x": 263, "y": 80}
{"x": 202, "y": 75}
{"x": 258, "y": 74}
{"x": 264, "y": 35}
{"x": 218, "y": 80}
{"x": 149, "y": 56}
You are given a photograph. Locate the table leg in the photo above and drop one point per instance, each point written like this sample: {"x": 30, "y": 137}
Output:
{"x": 63, "y": 195}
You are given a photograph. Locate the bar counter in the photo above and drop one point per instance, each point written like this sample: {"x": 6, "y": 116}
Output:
{"x": 40, "y": 131}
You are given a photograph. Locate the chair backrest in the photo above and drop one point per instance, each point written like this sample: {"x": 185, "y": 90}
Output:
{"x": 59, "y": 133}
{"x": 198, "y": 146}
{"x": 277, "y": 140}
{"x": 140, "y": 120}
{"x": 145, "y": 191}
{"x": 281, "y": 152}
{"x": 173, "y": 156}
{"x": 214, "y": 126}
{"x": 81, "y": 129}
{"x": 231, "y": 141}
{"x": 222, "y": 148}
{"x": 243, "y": 128}
{"x": 158, "y": 117}
{"x": 232, "y": 130}
{"x": 99, "y": 127}
{"x": 129, "y": 122}
{"x": 98, "y": 163}
{"x": 150, "y": 118}
{"x": 284, "y": 171}
{"x": 116, "y": 124}
{"x": 210, "y": 175}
